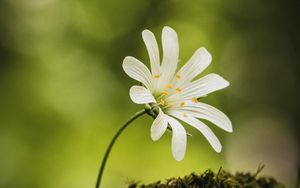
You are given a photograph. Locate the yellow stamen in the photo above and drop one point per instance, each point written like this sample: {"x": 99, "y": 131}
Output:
{"x": 164, "y": 93}
{"x": 178, "y": 89}
{"x": 194, "y": 99}
{"x": 181, "y": 104}
{"x": 156, "y": 76}
{"x": 178, "y": 76}
{"x": 170, "y": 86}
{"x": 161, "y": 102}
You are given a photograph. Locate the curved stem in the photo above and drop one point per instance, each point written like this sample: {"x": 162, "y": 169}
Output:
{"x": 111, "y": 144}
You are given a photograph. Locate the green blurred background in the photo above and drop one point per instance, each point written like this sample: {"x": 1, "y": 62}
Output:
{"x": 63, "y": 93}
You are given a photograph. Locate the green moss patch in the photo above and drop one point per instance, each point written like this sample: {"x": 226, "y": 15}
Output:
{"x": 221, "y": 179}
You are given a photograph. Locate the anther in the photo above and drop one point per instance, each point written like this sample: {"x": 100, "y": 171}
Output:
{"x": 164, "y": 93}
{"x": 194, "y": 99}
{"x": 181, "y": 104}
{"x": 178, "y": 89}
{"x": 170, "y": 86}
{"x": 178, "y": 76}
{"x": 170, "y": 105}
{"x": 156, "y": 76}
{"x": 161, "y": 102}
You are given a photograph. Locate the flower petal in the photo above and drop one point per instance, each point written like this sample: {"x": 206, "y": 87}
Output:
{"x": 196, "y": 64}
{"x": 138, "y": 71}
{"x": 170, "y": 54}
{"x": 159, "y": 126}
{"x": 204, "y": 129}
{"x": 203, "y": 86}
{"x": 152, "y": 48}
{"x": 141, "y": 95}
{"x": 210, "y": 113}
{"x": 178, "y": 138}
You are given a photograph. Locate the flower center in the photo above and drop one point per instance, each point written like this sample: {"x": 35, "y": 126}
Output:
{"x": 162, "y": 97}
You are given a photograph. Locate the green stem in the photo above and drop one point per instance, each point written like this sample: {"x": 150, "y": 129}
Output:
{"x": 111, "y": 144}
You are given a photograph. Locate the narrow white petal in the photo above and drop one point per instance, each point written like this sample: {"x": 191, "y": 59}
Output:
{"x": 138, "y": 71}
{"x": 204, "y": 129}
{"x": 196, "y": 64}
{"x": 141, "y": 95}
{"x": 178, "y": 138}
{"x": 170, "y": 54}
{"x": 159, "y": 126}
{"x": 207, "y": 112}
{"x": 203, "y": 86}
{"x": 152, "y": 48}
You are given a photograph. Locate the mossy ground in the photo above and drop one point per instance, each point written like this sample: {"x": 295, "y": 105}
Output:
{"x": 221, "y": 179}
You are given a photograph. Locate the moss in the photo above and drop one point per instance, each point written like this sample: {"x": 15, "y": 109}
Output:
{"x": 221, "y": 179}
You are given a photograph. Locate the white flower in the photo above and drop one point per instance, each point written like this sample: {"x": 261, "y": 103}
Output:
{"x": 176, "y": 94}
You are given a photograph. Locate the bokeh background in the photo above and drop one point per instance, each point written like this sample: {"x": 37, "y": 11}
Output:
{"x": 63, "y": 93}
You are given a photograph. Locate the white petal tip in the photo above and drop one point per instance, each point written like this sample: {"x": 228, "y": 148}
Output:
{"x": 229, "y": 129}
{"x": 219, "y": 80}
{"x": 146, "y": 32}
{"x": 126, "y": 62}
{"x": 159, "y": 127}
{"x": 227, "y": 83}
{"x": 127, "y": 58}
{"x": 217, "y": 146}
{"x": 168, "y": 28}
{"x": 154, "y": 137}
{"x": 132, "y": 95}
{"x": 178, "y": 154}
{"x": 178, "y": 157}
{"x": 205, "y": 54}
{"x": 218, "y": 149}
{"x": 140, "y": 95}
{"x": 224, "y": 82}
{"x": 227, "y": 124}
